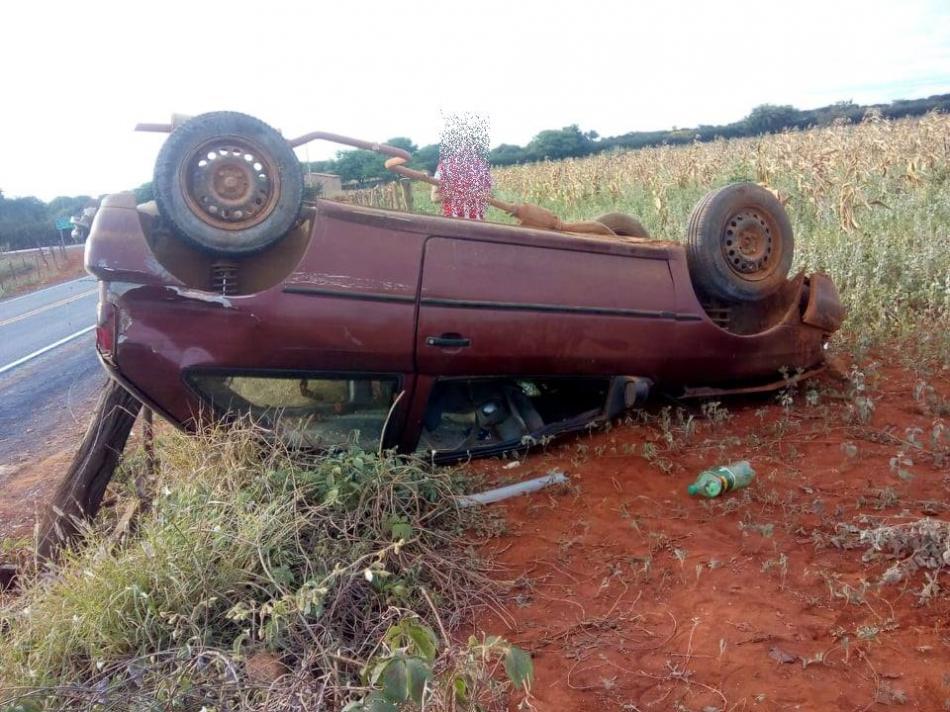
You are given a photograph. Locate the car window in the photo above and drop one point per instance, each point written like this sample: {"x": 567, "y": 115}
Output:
{"x": 318, "y": 412}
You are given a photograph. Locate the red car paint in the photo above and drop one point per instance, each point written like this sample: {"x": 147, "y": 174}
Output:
{"x": 423, "y": 299}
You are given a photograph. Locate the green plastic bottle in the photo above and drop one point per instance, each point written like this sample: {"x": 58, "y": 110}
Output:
{"x": 719, "y": 480}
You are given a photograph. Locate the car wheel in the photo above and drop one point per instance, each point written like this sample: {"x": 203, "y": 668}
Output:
{"x": 739, "y": 243}
{"x": 228, "y": 183}
{"x": 623, "y": 224}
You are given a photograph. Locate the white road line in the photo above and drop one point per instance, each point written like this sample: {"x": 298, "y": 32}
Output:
{"x": 47, "y": 307}
{"x": 43, "y": 350}
{"x": 45, "y": 247}
{"x": 87, "y": 278}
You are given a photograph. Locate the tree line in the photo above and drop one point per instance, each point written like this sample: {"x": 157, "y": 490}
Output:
{"x": 29, "y": 222}
{"x": 365, "y": 167}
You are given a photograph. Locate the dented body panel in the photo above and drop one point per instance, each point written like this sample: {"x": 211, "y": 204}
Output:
{"x": 364, "y": 291}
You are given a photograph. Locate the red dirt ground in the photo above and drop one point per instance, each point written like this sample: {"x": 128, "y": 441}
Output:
{"x": 26, "y": 488}
{"x": 632, "y": 596}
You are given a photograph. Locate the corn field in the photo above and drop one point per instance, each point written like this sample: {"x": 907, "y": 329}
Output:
{"x": 869, "y": 203}
{"x": 392, "y": 196}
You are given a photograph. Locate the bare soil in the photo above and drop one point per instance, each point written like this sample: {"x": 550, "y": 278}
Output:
{"x": 27, "y": 486}
{"x": 26, "y": 489}
{"x": 27, "y": 483}
{"x": 57, "y": 269}
{"x": 630, "y": 595}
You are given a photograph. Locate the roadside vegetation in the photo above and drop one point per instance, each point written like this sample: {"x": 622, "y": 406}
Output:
{"x": 240, "y": 577}
{"x": 23, "y": 271}
{"x": 366, "y": 167}
{"x": 254, "y": 579}
{"x": 28, "y": 222}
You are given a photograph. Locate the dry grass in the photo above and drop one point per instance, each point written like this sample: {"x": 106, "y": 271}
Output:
{"x": 255, "y": 580}
{"x": 870, "y": 205}
{"x": 22, "y": 271}
{"x": 921, "y": 544}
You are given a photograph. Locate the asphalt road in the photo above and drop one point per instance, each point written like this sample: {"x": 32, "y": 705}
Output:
{"x": 49, "y": 374}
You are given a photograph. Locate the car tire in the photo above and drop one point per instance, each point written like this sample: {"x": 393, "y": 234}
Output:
{"x": 739, "y": 244}
{"x": 623, "y": 224}
{"x": 228, "y": 183}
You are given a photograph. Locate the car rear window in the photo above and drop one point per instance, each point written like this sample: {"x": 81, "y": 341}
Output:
{"x": 318, "y": 412}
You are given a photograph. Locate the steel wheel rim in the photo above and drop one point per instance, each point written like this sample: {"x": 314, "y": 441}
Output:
{"x": 230, "y": 183}
{"x": 751, "y": 243}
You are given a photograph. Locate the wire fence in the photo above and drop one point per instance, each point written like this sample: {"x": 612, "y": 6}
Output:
{"x": 25, "y": 267}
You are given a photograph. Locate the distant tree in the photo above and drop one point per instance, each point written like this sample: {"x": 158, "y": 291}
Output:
{"x": 319, "y": 166}
{"x": 506, "y": 154}
{"x": 769, "y": 118}
{"x": 843, "y": 108}
{"x": 357, "y": 165}
{"x": 560, "y": 143}
{"x": 67, "y": 206}
{"x": 571, "y": 141}
{"x": 24, "y": 223}
{"x": 426, "y": 158}
{"x": 28, "y": 209}
{"x": 364, "y": 166}
{"x": 404, "y": 143}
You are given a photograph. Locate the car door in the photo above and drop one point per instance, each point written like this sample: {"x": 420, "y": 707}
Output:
{"x": 559, "y": 305}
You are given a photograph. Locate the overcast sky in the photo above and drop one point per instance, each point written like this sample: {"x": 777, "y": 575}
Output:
{"x": 76, "y": 76}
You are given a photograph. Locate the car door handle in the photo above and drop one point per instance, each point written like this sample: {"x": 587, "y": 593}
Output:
{"x": 449, "y": 341}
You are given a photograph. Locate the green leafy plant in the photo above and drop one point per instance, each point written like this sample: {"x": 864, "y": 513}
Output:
{"x": 248, "y": 551}
{"x": 409, "y": 670}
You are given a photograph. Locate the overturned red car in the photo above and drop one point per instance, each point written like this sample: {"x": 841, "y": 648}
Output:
{"x": 334, "y": 324}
